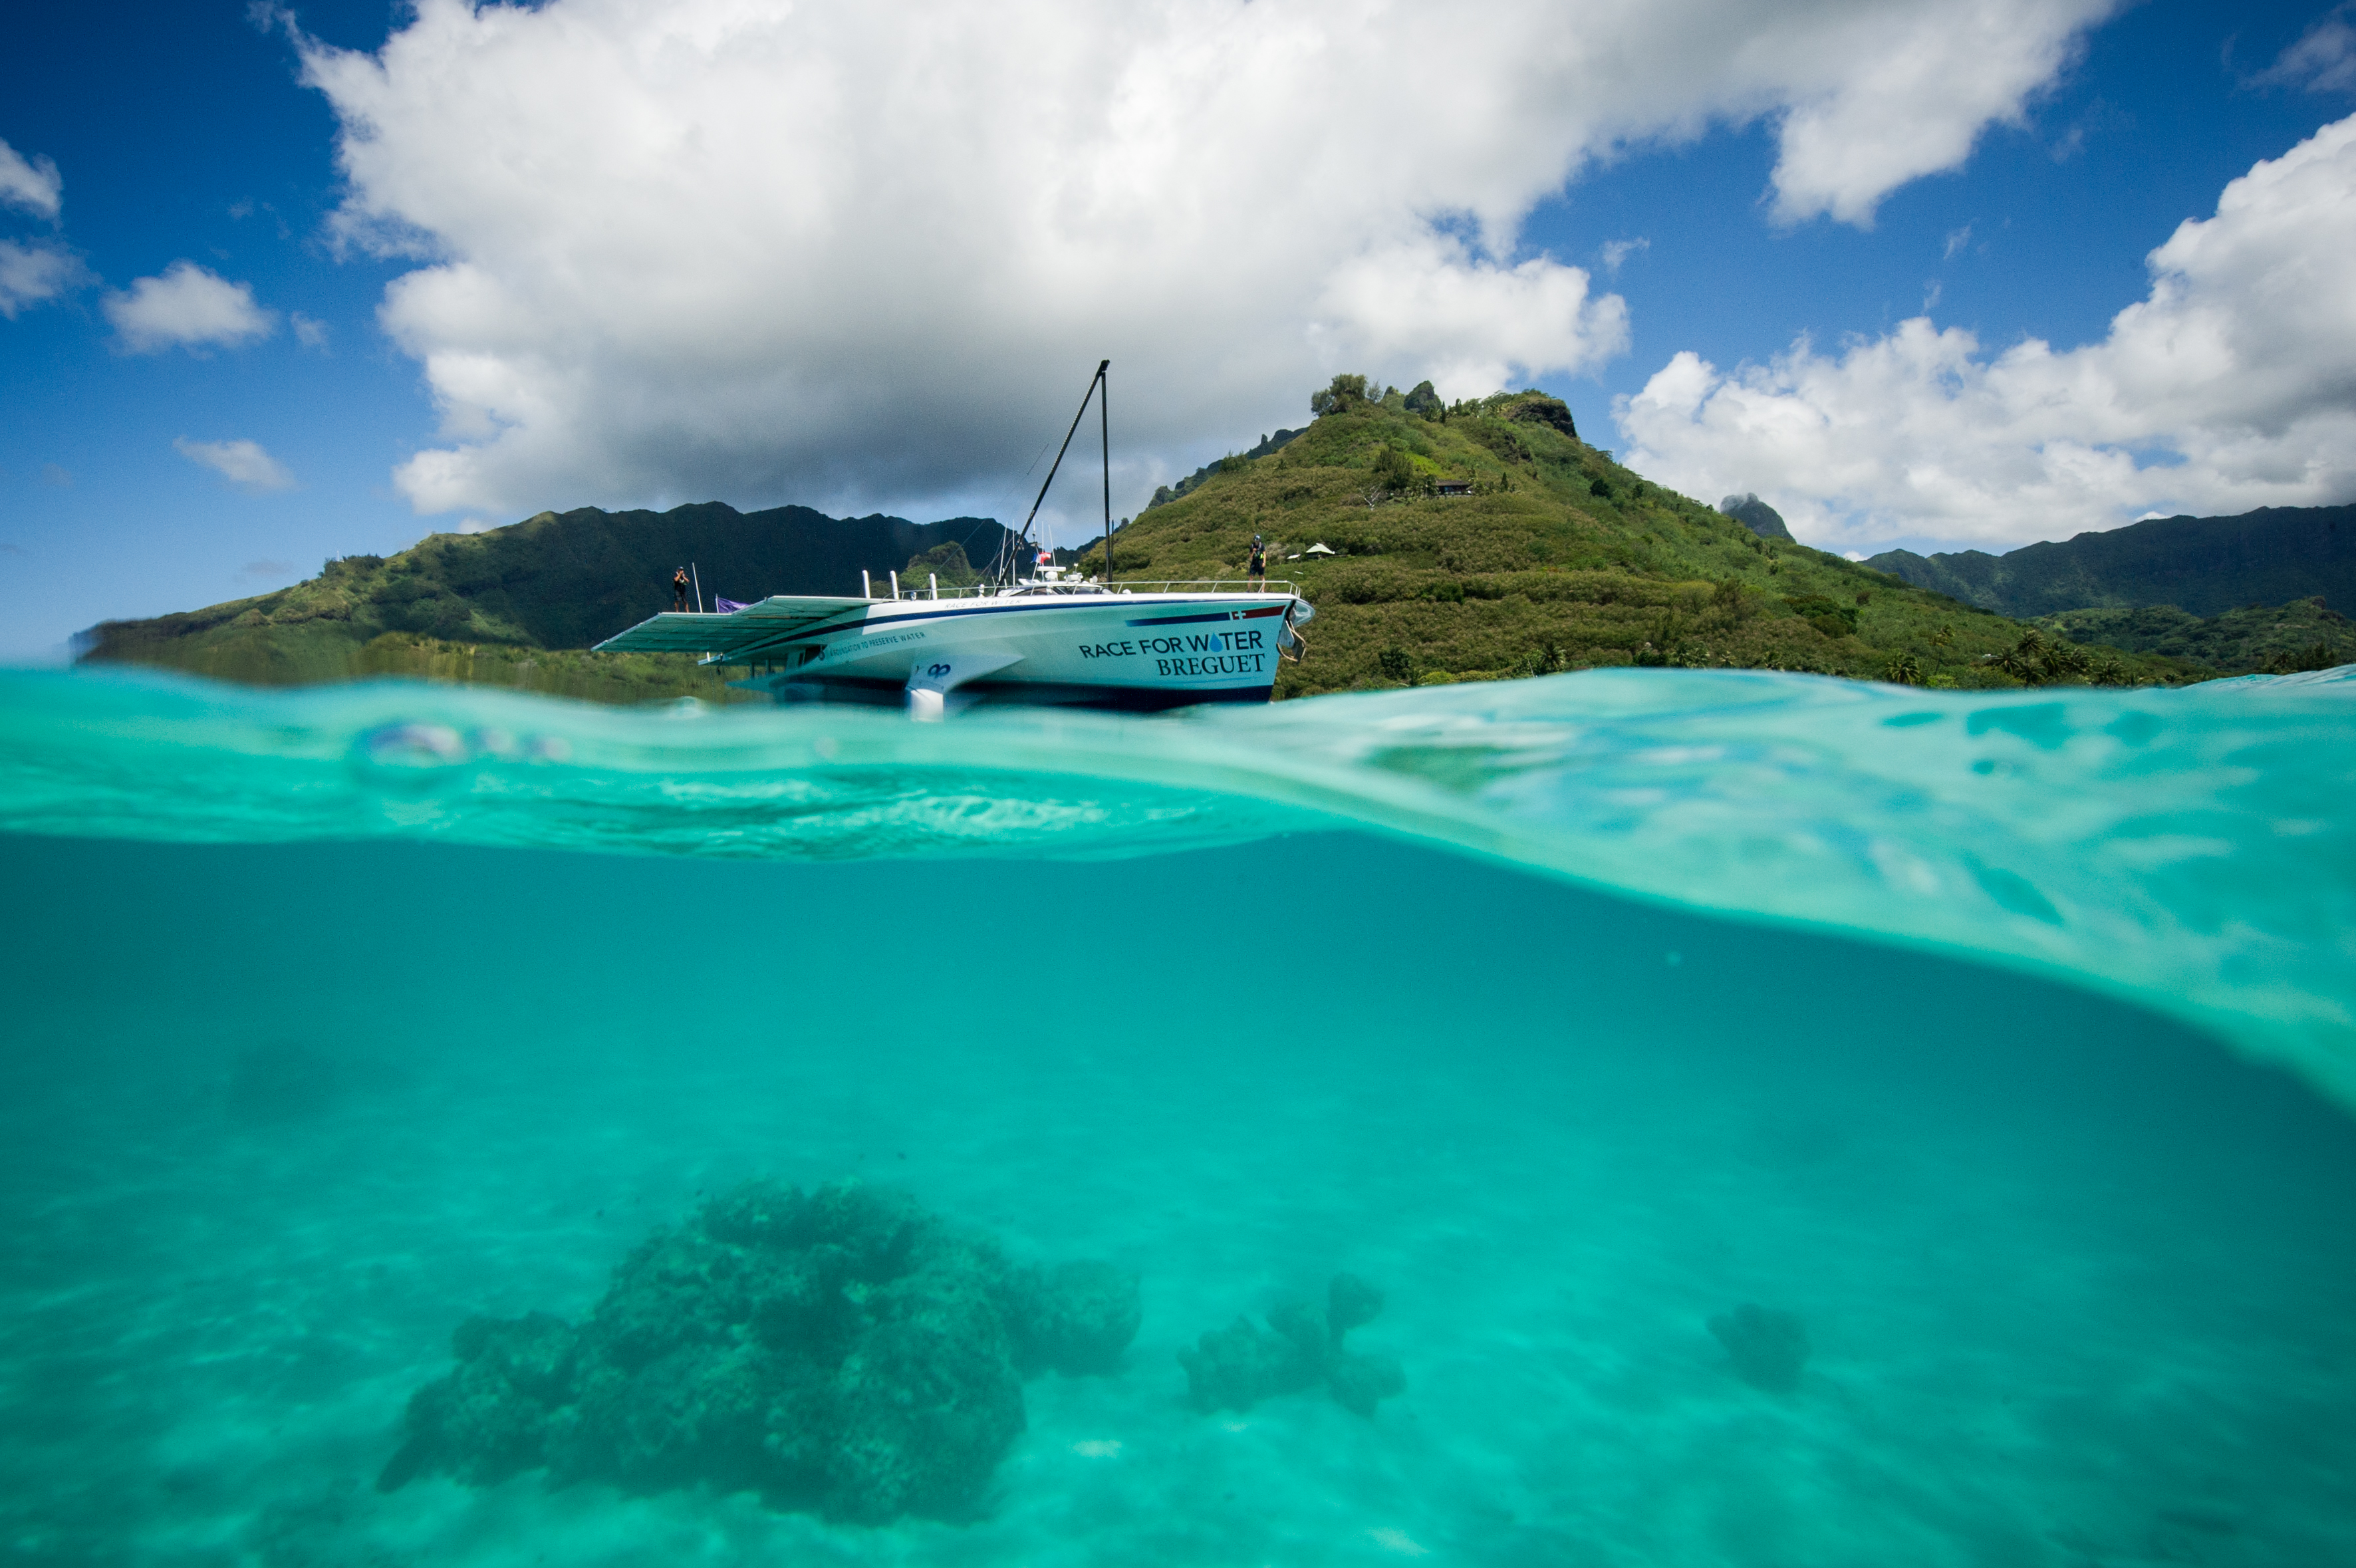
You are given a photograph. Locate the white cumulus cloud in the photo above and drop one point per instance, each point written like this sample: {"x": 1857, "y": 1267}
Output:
{"x": 2324, "y": 58}
{"x": 242, "y": 463}
{"x": 41, "y": 270}
{"x": 844, "y": 253}
{"x": 31, "y": 273}
{"x": 1897, "y": 99}
{"x": 2232, "y": 385}
{"x": 189, "y": 307}
{"x": 32, "y": 184}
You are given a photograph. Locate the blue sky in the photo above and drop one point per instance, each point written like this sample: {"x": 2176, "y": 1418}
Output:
{"x": 189, "y": 133}
{"x": 2140, "y": 135}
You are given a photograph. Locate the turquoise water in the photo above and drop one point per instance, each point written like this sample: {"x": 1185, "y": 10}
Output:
{"x": 2004, "y": 1041}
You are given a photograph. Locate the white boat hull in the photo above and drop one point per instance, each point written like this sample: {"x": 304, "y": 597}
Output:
{"x": 1129, "y": 650}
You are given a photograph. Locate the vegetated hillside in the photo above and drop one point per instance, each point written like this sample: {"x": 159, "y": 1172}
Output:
{"x": 498, "y": 606}
{"x": 1558, "y": 559}
{"x": 2304, "y": 634}
{"x": 2206, "y": 566}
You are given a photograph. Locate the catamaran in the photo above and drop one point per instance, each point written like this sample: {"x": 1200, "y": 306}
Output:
{"x": 1029, "y": 632}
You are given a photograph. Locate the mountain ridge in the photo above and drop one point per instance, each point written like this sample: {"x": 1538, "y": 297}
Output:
{"x": 547, "y": 586}
{"x": 2203, "y": 565}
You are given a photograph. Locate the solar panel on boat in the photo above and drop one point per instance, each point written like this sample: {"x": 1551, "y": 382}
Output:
{"x": 768, "y": 621}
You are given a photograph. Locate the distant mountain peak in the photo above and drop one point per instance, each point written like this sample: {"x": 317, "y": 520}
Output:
{"x": 1755, "y": 515}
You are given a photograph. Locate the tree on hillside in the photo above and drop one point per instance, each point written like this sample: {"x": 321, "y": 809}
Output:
{"x": 1343, "y": 395}
{"x": 1394, "y": 469}
{"x": 2033, "y": 660}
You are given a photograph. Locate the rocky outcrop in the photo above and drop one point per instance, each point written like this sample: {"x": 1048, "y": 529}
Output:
{"x": 1768, "y": 1349}
{"x": 1236, "y": 1367}
{"x": 841, "y": 1350}
{"x": 1551, "y": 411}
{"x": 1755, "y": 515}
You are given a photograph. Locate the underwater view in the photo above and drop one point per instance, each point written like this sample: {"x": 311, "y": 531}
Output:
{"x": 1635, "y": 1117}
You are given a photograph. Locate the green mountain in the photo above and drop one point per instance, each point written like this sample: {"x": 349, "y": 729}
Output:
{"x": 1552, "y": 557}
{"x": 1471, "y": 540}
{"x": 2205, "y": 566}
{"x": 2304, "y": 634}
{"x": 514, "y": 605}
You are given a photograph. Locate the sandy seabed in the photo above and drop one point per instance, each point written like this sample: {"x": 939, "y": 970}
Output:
{"x": 2079, "y": 1285}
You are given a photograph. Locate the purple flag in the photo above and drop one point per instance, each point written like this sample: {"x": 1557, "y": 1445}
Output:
{"x": 727, "y": 606}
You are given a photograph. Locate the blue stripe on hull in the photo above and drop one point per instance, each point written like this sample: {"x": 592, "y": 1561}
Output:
{"x": 1217, "y": 615}
{"x": 861, "y": 625}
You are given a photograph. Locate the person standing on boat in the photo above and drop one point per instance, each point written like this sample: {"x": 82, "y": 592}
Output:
{"x": 1258, "y": 570}
{"x": 679, "y": 589}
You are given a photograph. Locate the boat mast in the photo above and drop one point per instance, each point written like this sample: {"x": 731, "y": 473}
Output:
{"x": 1023, "y": 540}
{"x": 1103, "y": 429}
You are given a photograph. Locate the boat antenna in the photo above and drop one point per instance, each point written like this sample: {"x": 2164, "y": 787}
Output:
{"x": 1023, "y": 540}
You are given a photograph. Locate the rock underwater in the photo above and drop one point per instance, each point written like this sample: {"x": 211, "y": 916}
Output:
{"x": 1769, "y": 1348}
{"x": 1236, "y": 1367}
{"x": 840, "y": 1352}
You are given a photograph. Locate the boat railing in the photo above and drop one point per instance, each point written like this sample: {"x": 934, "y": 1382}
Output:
{"x": 1204, "y": 585}
{"x": 1120, "y": 586}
